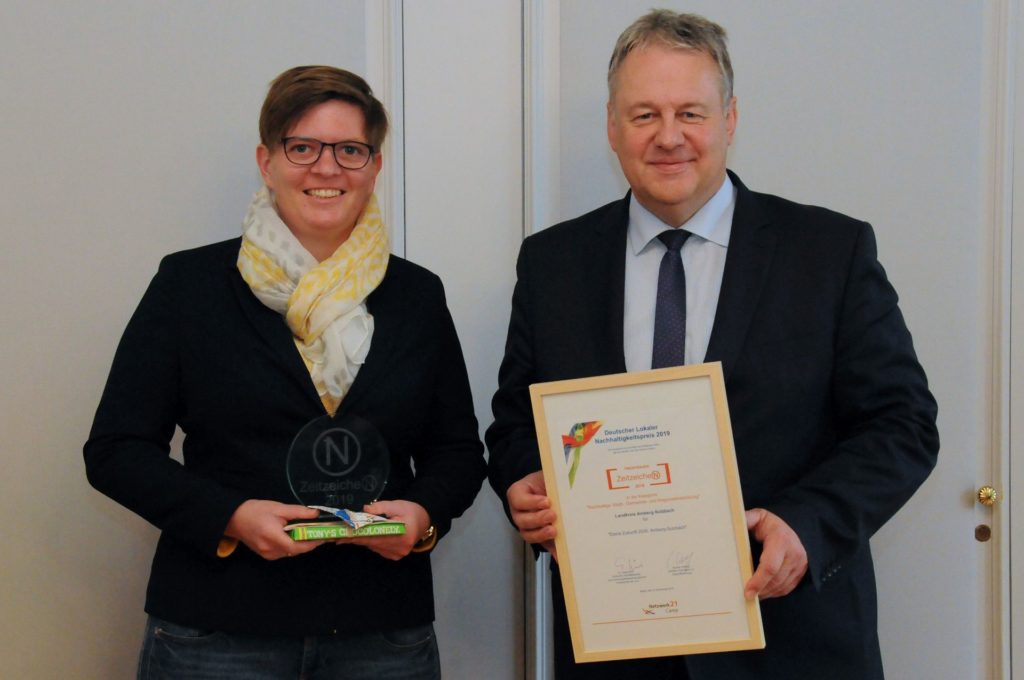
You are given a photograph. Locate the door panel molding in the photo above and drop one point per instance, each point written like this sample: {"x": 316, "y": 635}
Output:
{"x": 998, "y": 97}
{"x": 541, "y": 152}
{"x": 1008, "y": 205}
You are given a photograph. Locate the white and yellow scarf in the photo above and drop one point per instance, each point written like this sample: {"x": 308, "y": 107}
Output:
{"x": 323, "y": 303}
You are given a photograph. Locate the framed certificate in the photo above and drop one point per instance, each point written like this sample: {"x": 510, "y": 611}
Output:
{"x": 652, "y": 541}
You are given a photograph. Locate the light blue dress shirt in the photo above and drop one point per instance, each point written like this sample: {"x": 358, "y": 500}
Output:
{"x": 703, "y": 257}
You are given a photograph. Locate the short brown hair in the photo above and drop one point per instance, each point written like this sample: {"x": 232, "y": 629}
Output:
{"x": 676, "y": 31}
{"x": 299, "y": 89}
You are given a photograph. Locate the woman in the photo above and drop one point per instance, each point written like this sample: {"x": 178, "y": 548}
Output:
{"x": 242, "y": 344}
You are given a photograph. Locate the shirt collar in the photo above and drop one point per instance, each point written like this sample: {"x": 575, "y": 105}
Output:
{"x": 709, "y": 222}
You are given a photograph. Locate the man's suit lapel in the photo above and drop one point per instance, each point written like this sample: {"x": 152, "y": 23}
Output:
{"x": 748, "y": 260}
{"x": 605, "y": 281}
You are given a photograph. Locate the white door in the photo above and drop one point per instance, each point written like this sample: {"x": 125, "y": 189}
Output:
{"x": 888, "y": 112}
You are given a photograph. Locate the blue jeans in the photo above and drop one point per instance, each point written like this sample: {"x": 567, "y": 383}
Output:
{"x": 173, "y": 652}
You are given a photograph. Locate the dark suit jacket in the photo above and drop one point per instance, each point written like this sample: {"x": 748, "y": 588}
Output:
{"x": 203, "y": 353}
{"x": 832, "y": 418}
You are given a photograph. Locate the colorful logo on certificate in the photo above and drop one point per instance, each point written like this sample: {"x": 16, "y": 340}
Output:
{"x": 579, "y": 435}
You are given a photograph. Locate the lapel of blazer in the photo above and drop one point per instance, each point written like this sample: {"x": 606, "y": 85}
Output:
{"x": 747, "y": 262}
{"x": 382, "y": 303}
{"x": 271, "y": 327}
{"x": 605, "y": 280}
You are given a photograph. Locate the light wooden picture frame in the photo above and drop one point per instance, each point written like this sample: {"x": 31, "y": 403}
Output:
{"x": 652, "y": 541}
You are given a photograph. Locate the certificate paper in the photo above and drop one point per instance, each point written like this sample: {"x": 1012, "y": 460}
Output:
{"x": 652, "y": 541}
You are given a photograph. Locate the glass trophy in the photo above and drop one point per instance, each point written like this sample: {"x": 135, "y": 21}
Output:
{"x": 338, "y": 463}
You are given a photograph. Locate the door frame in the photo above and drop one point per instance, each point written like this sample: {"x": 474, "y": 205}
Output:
{"x": 1002, "y": 87}
{"x": 1008, "y": 204}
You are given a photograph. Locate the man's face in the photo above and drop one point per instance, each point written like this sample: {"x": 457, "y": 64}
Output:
{"x": 670, "y": 129}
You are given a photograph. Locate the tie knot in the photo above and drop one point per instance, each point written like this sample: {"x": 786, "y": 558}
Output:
{"x": 674, "y": 239}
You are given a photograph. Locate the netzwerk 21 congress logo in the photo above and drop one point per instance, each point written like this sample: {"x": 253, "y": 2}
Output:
{"x": 573, "y": 443}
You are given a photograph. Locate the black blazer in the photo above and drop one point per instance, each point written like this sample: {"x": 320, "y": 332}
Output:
{"x": 203, "y": 353}
{"x": 832, "y": 418}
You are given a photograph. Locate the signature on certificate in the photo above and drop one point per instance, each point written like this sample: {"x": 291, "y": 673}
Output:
{"x": 627, "y": 569}
{"x": 625, "y": 565}
{"x": 680, "y": 563}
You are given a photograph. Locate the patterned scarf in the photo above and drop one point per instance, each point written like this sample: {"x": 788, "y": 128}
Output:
{"x": 323, "y": 303}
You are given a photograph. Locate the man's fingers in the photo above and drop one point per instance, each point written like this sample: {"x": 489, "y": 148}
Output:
{"x": 541, "y": 535}
{"x": 531, "y": 504}
{"x": 523, "y": 499}
{"x": 777, "y": 584}
{"x": 753, "y": 516}
{"x": 777, "y": 574}
{"x": 784, "y": 560}
{"x": 531, "y": 509}
{"x": 756, "y": 583}
{"x": 767, "y": 569}
{"x": 533, "y": 520}
{"x": 529, "y": 493}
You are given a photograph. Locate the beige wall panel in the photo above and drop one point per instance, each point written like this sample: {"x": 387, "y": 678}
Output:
{"x": 463, "y": 191}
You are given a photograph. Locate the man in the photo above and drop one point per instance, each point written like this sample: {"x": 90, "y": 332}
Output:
{"x": 833, "y": 422}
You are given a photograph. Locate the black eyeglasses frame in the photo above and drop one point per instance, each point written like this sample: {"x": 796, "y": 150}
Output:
{"x": 334, "y": 151}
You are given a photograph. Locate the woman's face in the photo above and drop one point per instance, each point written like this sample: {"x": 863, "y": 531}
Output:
{"x": 320, "y": 203}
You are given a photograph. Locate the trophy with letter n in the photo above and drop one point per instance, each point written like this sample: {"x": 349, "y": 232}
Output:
{"x": 338, "y": 465}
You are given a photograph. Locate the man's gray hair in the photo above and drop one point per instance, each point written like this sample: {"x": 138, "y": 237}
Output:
{"x": 676, "y": 31}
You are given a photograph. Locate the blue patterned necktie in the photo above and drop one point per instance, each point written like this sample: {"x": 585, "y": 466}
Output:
{"x": 670, "y": 311}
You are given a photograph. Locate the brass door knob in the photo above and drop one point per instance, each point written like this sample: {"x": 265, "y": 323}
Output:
{"x": 988, "y": 496}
